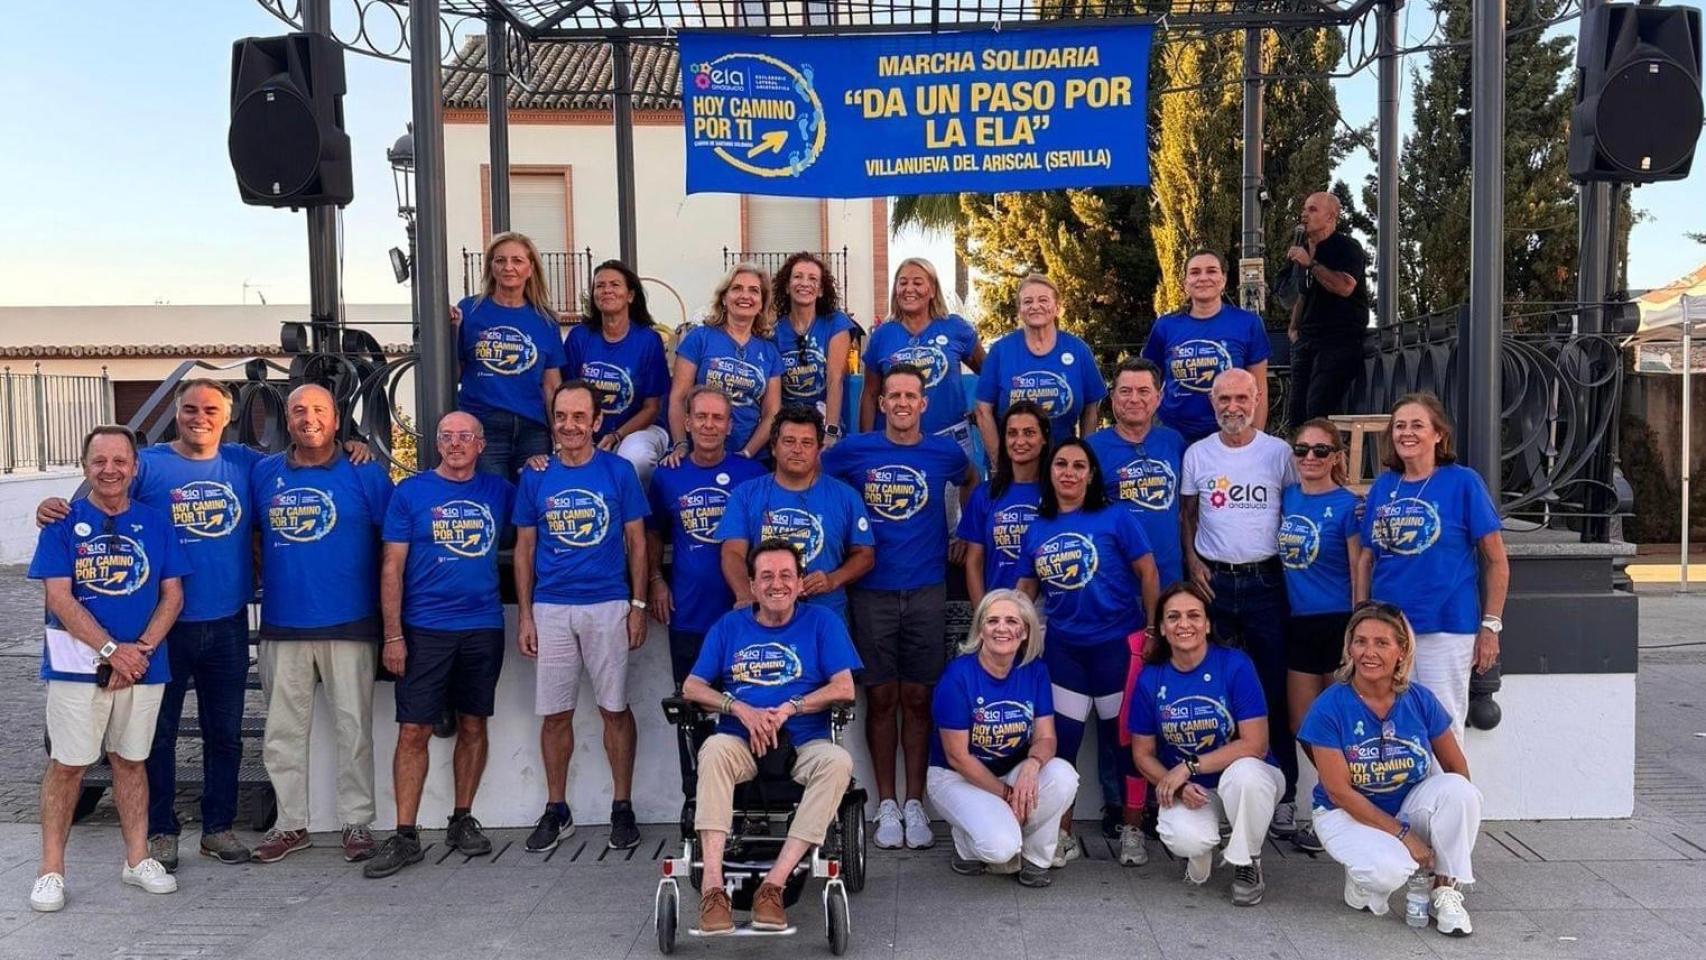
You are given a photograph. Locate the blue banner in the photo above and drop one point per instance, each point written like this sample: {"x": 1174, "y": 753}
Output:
{"x": 877, "y": 116}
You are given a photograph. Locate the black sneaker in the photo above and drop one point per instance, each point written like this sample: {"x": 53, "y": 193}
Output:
{"x": 624, "y": 832}
{"x": 1306, "y": 840}
{"x": 967, "y": 868}
{"x": 466, "y": 836}
{"x": 393, "y": 855}
{"x": 549, "y": 832}
{"x": 1031, "y": 875}
{"x": 1112, "y": 817}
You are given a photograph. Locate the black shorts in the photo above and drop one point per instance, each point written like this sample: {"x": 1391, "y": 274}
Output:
{"x": 454, "y": 668}
{"x": 1315, "y": 643}
{"x": 901, "y": 635}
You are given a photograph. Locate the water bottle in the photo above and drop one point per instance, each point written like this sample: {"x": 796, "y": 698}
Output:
{"x": 1416, "y": 900}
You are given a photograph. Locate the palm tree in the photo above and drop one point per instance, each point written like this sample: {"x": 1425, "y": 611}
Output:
{"x": 938, "y": 211}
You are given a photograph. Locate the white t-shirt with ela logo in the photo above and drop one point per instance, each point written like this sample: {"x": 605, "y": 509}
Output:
{"x": 1238, "y": 496}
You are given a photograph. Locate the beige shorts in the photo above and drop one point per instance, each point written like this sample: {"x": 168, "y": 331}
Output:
{"x": 83, "y": 721}
{"x": 572, "y": 635}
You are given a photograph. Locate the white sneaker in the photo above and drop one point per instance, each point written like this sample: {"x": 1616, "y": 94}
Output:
{"x": 1199, "y": 868}
{"x": 150, "y": 876}
{"x": 1065, "y": 850}
{"x": 1359, "y": 899}
{"x": 48, "y": 895}
{"x": 1449, "y": 915}
{"x": 888, "y": 834}
{"x": 918, "y": 833}
{"x": 1133, "y": 851}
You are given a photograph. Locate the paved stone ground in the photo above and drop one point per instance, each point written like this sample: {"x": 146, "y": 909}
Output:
{"x": 1586, "y": 890}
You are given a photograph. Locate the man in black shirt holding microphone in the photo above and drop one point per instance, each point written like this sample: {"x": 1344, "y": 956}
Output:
{"x": 1329, "y": 320}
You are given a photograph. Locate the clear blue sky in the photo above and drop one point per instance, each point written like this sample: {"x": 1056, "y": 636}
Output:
{"x": 120, "y": 191}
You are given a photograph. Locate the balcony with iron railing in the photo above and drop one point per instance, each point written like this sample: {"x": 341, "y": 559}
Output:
{"x": 44, "y": 417}
{"x": 772, "y": 260}
{"x": 568, "y": 278}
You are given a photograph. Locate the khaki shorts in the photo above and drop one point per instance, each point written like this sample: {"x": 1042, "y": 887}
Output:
{"x": 572, "y": 635}
{"x": 83, "y": 721}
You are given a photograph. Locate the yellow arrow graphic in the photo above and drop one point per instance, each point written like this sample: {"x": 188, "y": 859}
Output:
{"x": 771, "y": 142}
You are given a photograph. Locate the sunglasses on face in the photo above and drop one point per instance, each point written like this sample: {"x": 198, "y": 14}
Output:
{"x": 1321, "y": 451}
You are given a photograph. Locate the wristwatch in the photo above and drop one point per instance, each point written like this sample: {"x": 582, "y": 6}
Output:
{"x": 799, "y": 705}
{"x": 636, "y": 604}
{"x": 833, "y": 430}
{"x": 1191, "y": 765}
{"x": 108, "y": 649}
{"x": 1493, "y": 623}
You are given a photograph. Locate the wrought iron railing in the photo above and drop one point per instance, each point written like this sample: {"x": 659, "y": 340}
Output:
{"x": 568, "y": 278}
{"x": 772, "y": 260}
{"x": 43, "y": 417}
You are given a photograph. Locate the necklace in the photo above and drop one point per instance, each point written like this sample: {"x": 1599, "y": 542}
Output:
{"x": 1399, "y": 486}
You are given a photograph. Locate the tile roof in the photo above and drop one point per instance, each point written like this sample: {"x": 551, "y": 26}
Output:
{"x": 94, "y": 351}
{"x": 570, "y": 76}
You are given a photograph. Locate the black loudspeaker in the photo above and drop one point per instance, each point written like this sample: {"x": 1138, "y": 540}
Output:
{"x": 287, "y": 140}
{"x": 1637, "y": 113}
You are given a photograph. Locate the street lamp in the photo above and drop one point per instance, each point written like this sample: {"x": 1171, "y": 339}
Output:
{"x": 402, "y": 157}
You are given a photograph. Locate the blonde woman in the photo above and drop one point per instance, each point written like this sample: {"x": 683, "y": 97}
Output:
{"x": 511, "y": 355}
{"x": 921, "y": 331}
{"x": 1394, "y": 795}
{"x": 733, "y": 351}
{"x": 993, "y": 773}
{"x": 1044, "y": 364}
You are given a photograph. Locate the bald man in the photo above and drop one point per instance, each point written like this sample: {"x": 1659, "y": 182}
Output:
{"x": 1230, "y": 488}
{"x": 1329, "y": 319}
{"x": 318, "y": 518}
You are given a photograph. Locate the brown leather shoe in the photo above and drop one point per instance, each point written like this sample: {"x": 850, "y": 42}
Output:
{"x": 767, "y": 912}
{"x": 716, "y": 914}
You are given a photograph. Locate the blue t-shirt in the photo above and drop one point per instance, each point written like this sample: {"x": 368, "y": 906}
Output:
{"x": 208, "y": 503}
{"x": 319, "y": 541}
{"x": 116, "y": 566}
{"x": 687, "y": 504}
{"x": 580, "y": 555}
{"x": 1145, "y": 477}
{"x": 1063, "y": 382}
{"x": 999, "y": 527}
{"x": 905, "y": 489}
{"x": 825, "y": 521}
{"x": 1194, "y": 714}
{"x": 1000, "y": 716}
{"x": 1313, "y": 530}
{"x": 939, "y": 350}
{"x": 628, "y": 372}
{"x": 1192, "y": 352}
{"x": 1082, "y": 564}
{"x": 505, "y": 352}
{"x": 744, "y": 373}
{"x": 805, "y": 360}
{"x": 1426, "y": 536}
{"x": 1387, "y": 758}
{"x": 767, "y": 666}
{"x": 452, "y": 528}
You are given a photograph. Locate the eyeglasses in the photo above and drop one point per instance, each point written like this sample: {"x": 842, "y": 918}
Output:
{"x": 1321, "y": 450}
{"x": 456, "y": 436}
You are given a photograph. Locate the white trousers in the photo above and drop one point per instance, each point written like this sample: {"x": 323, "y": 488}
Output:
{"x": 643, "y": 449}
{"x": 1246, "y": 796}
{"x": 1444, "y": 810}
{"x": 1443, "y": 661}
{"x": 985, "y": 828}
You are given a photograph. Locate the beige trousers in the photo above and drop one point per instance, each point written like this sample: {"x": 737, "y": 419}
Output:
{"x": 289, "y": 671}
{"x": 725, "y": 761}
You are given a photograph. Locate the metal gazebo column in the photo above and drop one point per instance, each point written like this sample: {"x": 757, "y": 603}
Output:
{"x": 1252, "y": 243}
{"x": 1478, "y": 338}
{"x": 497, "y": 114}
{"x": 1593, "y": 280}
{"x": 1386, "y": 176}
{"x": 622, "y": 111}
{"x": 435, "y": 386}
{"x": 322, "y": 230}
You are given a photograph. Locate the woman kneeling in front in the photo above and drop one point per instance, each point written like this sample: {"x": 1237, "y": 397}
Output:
{"x": 993, "y": 773}
{"x": 1394, "y": 795}
{"x": 1199, "y": 726}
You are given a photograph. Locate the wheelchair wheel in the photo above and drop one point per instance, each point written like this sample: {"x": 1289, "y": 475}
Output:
{"x": 853, "y": 845}
{"x": 835, "y": 919}
{"x": 668, "y": 909}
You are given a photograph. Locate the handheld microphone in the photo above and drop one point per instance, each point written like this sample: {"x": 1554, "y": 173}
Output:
{"x": 1298, "y": 236}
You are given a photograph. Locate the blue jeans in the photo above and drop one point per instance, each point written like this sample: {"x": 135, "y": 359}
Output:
{"x": 1249, "y": 613}
{"x": 214, "y": 654}
{"x": 510, "y": 441}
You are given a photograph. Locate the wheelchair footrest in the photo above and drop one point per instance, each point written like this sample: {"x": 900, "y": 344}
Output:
{"x": 745, "y": 930}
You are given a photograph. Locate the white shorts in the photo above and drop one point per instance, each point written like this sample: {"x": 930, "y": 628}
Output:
{"x": 570, "y": 635}
{"x": 84, "y": 721}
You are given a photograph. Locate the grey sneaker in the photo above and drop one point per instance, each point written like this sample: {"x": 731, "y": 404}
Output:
{"x": 1247, "y": 883}
{"x": 163, "y": 847}
{"x": 394, "y": 854}
{"x": 967, "y": 868}
{"x": 1306, "y": 840}
{"x": 1284, "y": 824}
{"x": 467, "y": 836}
{"x": 1031, "y": 875}
{"x": 224, "y": 847}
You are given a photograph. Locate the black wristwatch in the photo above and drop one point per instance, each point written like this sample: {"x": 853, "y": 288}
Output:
{"x": 1191, "y": 765}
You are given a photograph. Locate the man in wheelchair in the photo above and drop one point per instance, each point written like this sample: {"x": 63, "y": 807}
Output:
{"x": 781, "y": 665}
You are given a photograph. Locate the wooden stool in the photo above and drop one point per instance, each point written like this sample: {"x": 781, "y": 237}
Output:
{"x": 1358, "y": 426}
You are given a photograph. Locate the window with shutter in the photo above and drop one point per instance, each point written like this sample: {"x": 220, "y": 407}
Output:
{"x": 538, "y": 207}
{"x": 783, "y": 224}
